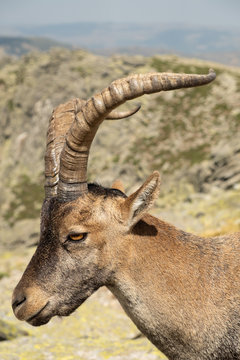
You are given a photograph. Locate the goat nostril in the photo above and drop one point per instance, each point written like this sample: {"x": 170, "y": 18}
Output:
{"x": 18, "y": 302}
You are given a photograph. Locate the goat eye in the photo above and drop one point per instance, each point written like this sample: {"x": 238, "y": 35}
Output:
{"x": 77, "y": 237}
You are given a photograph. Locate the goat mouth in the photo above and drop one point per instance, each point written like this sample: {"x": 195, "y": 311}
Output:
{"x": 43, "y": 317}
{"x": 38, "y": 318}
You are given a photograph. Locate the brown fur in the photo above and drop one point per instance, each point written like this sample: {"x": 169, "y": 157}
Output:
{"x": 182, "y": 291}
{"x": 117, "y": 184}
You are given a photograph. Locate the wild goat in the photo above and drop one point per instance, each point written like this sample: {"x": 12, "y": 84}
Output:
{"x": 181, "y": 291}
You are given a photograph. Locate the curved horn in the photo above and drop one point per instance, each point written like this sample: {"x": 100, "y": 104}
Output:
{"x": 59, "y": 124}
{"x": 74, "y": 156}
{"x": 117, "y": 115}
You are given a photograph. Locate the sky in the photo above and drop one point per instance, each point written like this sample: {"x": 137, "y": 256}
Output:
{"x": 213, "y": 13}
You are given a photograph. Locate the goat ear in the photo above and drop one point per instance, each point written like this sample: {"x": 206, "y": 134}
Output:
{"x": 137, "y": 204}
{"x": 117, "y": 184}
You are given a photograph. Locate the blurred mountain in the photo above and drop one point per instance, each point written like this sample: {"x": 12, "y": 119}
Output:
{"x": 146, "y": 39}
{"x": 190, "y": 135}
{"x": 18, "y": 46}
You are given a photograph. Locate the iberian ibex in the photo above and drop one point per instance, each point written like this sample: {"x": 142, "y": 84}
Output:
{"x": 181, "y": 291}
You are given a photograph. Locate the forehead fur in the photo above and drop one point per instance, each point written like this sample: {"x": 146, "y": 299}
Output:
{"x": 52, "y": 208}
{"x": 99, "y": 190}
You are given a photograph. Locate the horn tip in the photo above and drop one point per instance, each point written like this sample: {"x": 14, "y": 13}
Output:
{"x": 212, "y": 73}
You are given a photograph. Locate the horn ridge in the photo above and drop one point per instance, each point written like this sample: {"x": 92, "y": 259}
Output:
{"x": 73, "y": 168}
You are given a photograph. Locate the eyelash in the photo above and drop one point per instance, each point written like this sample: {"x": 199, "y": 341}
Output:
{"x": 70, "y": 239}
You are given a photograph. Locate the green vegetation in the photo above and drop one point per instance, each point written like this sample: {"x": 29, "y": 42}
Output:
{"x": 10, "y": 105}
{"x": 3, "y": 274}
{"x": 83, "y": 72}
{"x": 27, "y": 201}
{"x": 195, "y": 155}
{"x": 237, "y": 119}
{"x": 190, "y": 157}
{"x": 2, "y": 82}
{"x": 173, "y": 64}
{"x": 116, "y": 158}
{"x": 20, "y": 75}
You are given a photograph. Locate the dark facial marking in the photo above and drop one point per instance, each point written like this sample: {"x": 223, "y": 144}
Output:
{"x": 99, "y": 190}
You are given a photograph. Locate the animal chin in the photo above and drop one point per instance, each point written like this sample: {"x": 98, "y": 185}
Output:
{"x": 68, "y": 308}
{"x": 39, "y": 320}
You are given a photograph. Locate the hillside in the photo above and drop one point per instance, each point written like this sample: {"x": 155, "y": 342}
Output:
{"x": 178, "y": 133}
{"x": 18, "y": 46}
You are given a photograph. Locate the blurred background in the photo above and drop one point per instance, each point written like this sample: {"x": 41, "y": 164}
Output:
{"x": 53, "y": 51}
{"x": 206, "y": 29}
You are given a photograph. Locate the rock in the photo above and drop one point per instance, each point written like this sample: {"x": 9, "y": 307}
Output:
{"x": 9, "y": 331}
{"x": 221, "y": 170}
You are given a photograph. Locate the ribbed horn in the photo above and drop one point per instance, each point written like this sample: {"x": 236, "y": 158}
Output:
{"x": 59, "y": 124}
{"x": 74, "y": 156}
